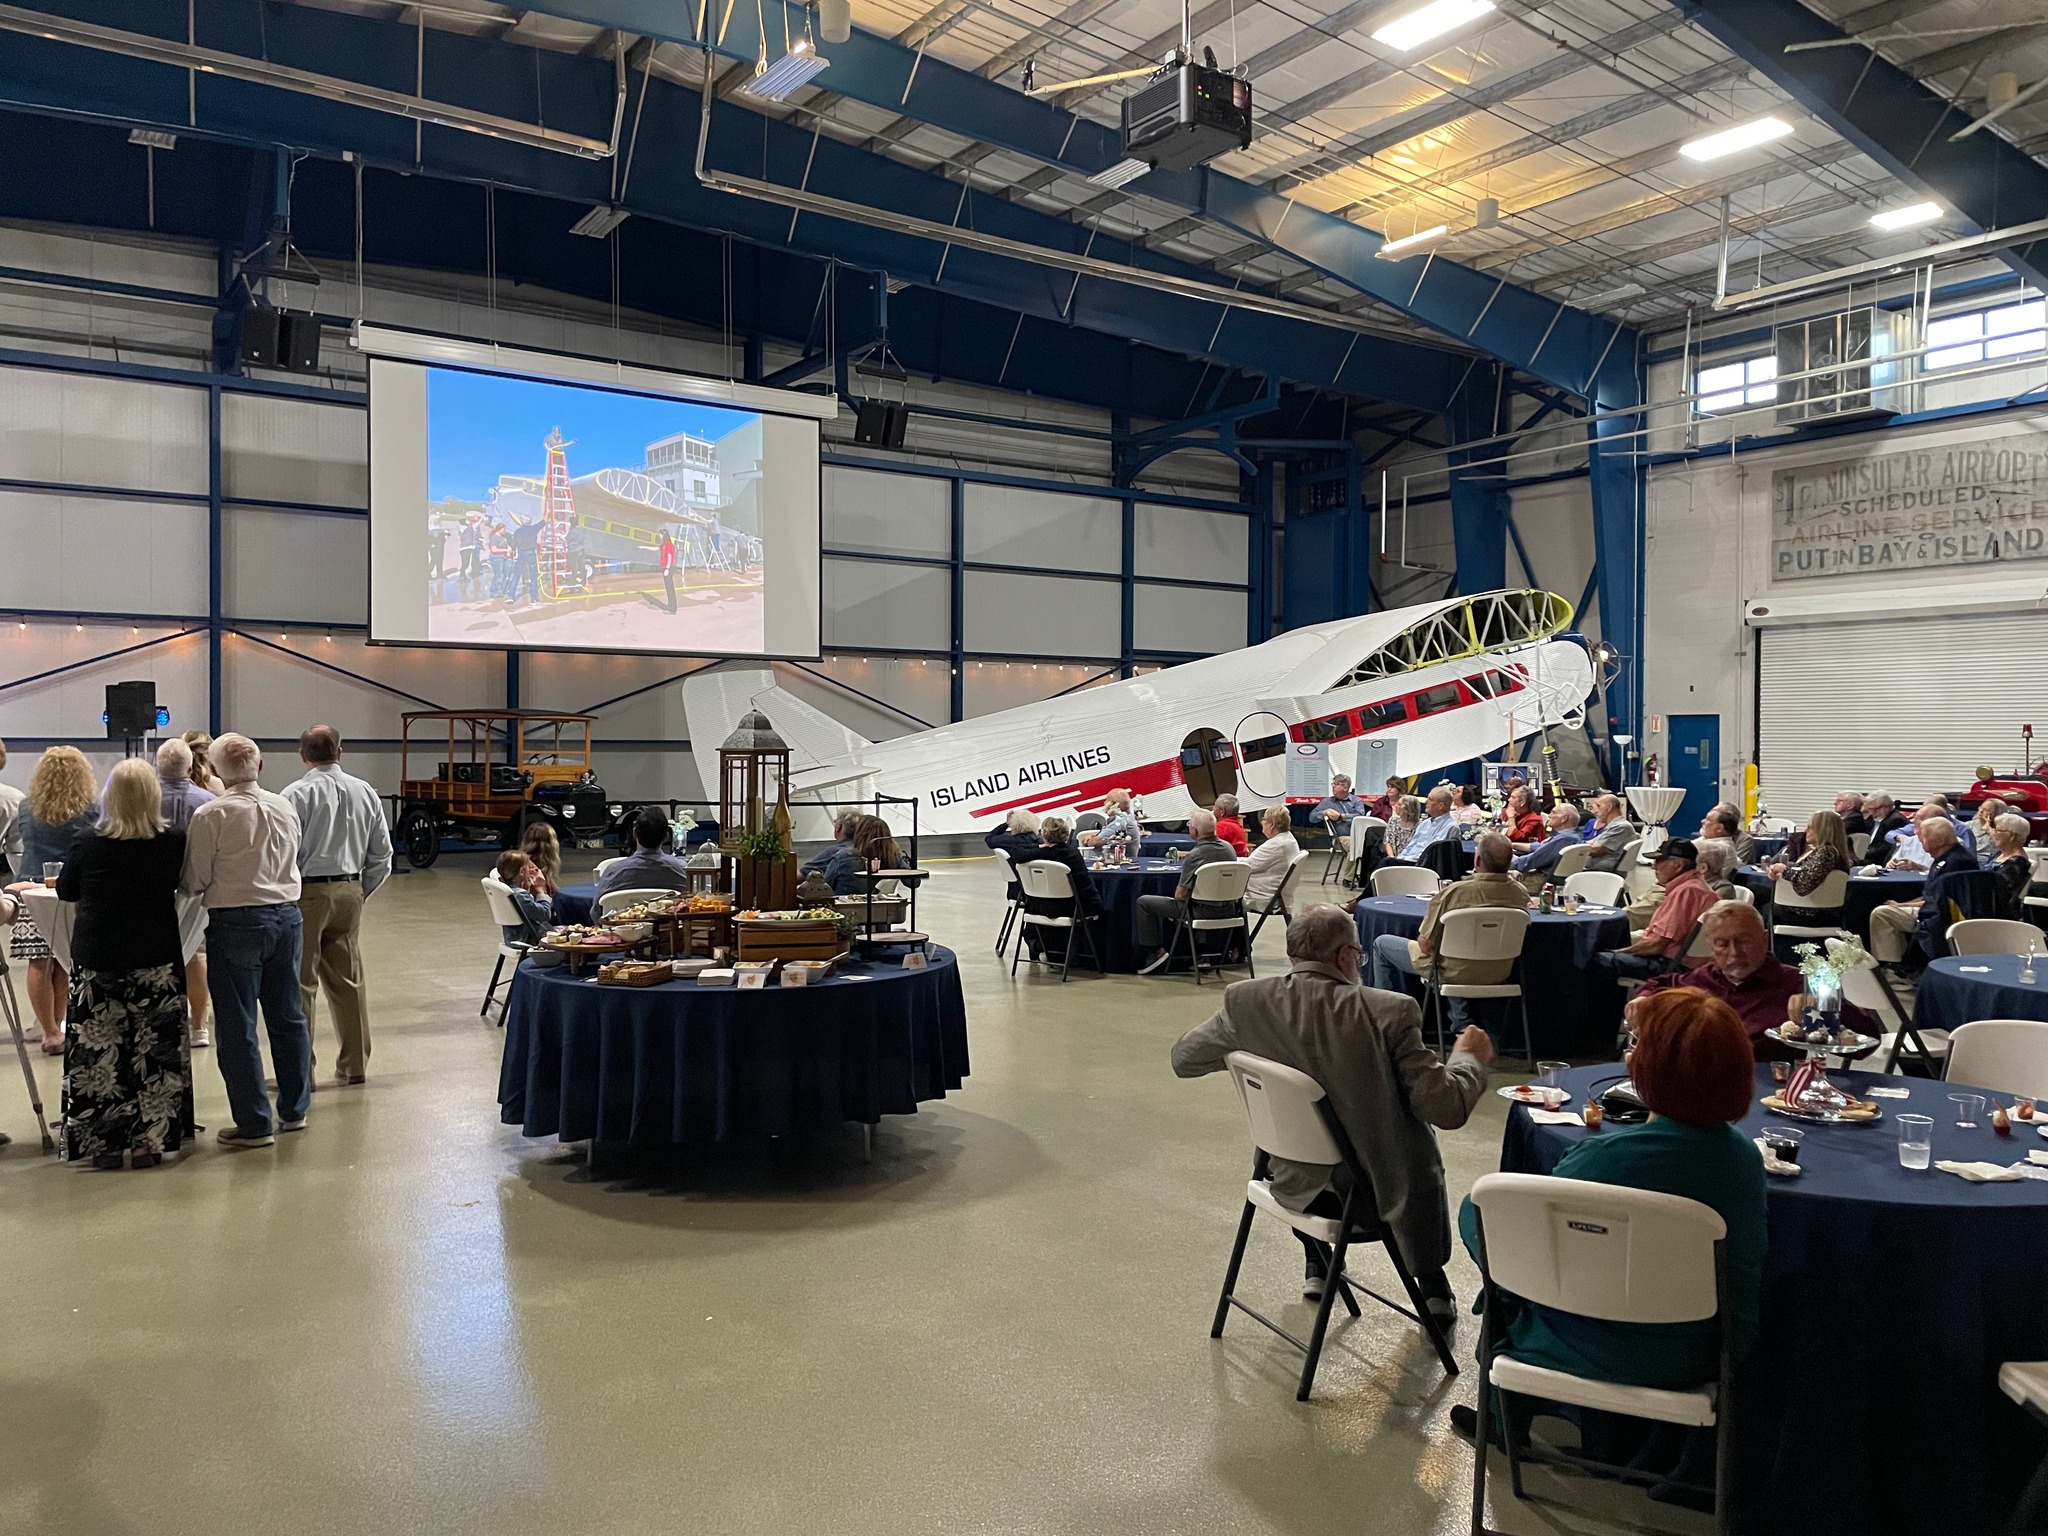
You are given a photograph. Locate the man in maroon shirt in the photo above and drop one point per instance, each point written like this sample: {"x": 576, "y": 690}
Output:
{"x": 1763, "y": 990}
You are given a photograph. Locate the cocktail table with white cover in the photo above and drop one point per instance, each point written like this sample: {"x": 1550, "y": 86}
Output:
{"x": 54, "y": 920}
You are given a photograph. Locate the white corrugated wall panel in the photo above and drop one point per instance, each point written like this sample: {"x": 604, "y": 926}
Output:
{"x": 886, "y": 605}
{"x": 1909, "y": 706}
{"x": 1188, "y": 543}
{"x": 102, "y": 555}
{"x": 1008, "y": 525}
{"x": 1009, "y": 613}
{"x": 883, "y": 514}
{"x": 80, "y": 429}
{"x": 297, "y": 567}
{"x": 274, "y": 449}
{"x": 1199, "y": 619}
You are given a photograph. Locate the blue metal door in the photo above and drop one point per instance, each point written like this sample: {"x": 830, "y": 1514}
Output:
{"x": 1695, "y": 767}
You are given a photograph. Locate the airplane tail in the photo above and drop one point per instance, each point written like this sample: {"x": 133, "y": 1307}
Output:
{"x": 714, "y": 701}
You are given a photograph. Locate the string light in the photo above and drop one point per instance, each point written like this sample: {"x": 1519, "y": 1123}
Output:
{"x": 78, "y": 626}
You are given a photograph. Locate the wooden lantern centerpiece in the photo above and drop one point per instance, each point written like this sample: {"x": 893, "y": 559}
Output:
{"x": 753, "y": 814}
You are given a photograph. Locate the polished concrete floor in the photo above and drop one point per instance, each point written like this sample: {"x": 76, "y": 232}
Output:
{"x": 411, "y": 1319}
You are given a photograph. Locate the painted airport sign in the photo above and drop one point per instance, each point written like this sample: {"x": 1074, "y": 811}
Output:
{"x": 1965, "y": 504}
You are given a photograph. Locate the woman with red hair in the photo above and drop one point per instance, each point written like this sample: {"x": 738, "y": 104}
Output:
{"x": 1691, "y": 1063}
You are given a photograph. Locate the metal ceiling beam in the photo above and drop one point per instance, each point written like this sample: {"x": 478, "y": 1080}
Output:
{"x": 1585, "y": 354}
{"x": 1462, "y": 101}
{"x": 1333, "y": 355}
{"x": 1703, "y": 238}
{"x": 1973, "y": 52}
{"x": 1898, "y": 121}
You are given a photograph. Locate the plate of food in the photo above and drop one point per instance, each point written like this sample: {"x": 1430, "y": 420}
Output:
{"x": 582, "y": 936}
{"x": 1857, "y": 1112}
{"x": 1537, "y": 1094}
{"x": 1845, "y": 1043}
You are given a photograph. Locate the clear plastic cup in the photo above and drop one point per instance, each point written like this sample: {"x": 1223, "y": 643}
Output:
{"x": 1968, "y": 1107}
{"x": 1916, "y": 1141}
{"x": 1550, "y": 1074}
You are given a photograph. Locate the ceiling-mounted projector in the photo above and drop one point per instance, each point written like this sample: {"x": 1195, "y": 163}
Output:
{"x": 1187, "y": 115}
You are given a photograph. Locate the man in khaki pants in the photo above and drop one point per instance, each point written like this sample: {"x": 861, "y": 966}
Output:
{"x": 344, "y": 855}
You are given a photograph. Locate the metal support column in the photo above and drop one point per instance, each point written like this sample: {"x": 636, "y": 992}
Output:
{"x": 956, "y": 643}
{"x": 1616, "y": 485}
{"x": 1479, "y": 499}
{"x": 215, "y": 617}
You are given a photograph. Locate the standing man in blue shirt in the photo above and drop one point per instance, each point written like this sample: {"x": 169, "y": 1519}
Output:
{"x": 344, "y": 855}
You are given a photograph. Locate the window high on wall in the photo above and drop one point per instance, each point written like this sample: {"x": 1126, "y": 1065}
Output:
{"x": 1731, "y": 386}
{"x": 1984, "y": 335}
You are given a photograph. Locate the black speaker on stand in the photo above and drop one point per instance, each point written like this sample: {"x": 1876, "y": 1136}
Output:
{"x": 131, "y": 714}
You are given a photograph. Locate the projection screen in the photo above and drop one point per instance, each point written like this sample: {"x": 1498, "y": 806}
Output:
{"x": 524, "y": 500}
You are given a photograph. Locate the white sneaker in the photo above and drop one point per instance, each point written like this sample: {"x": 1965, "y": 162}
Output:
{"x": 202, "y": 1037}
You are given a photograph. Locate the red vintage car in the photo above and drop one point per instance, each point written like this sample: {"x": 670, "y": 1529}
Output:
{"x": 2027, "y": 796}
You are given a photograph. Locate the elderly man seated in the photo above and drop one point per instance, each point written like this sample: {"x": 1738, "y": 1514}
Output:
{"x": 1437, "y": 825}
{"x": 1535, "y": 866}
{"x": 1897, "y": 925}
{"x": 1715, "y": 863}
{"x": 1723, "y": 824}
{"x": 1662, "y": 942}
{"x": 1610, "y": 833}
{"x": 1763, "y": 990}
{"x": 1849, "y": 806}
{"x": 1364, "y": 1047}
{"x": 1489, "y": 885}
{"x": 1336, "y": 809}
{"x": 1885, "y": 818}
{"x": 1909, "y": 852}
{"x": 1158, "y": 916}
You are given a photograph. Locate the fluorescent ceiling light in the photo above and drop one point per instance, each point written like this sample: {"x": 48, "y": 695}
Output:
{"x": 1394, "y": 250}
{"x": 788, "y": 74}
{"x": 1906, "y": 218}
{"x": 1742, "y": 136}
{"x": 599, "y": 222}
{"x": 1122, "y": 174}
{"x": 1432, "y": 20}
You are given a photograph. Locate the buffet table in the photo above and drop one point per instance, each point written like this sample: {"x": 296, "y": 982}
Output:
{"x": 1890, "y": 1298}
{"x": 683, "y": 1064}
{"x": 1570, "y": 1013}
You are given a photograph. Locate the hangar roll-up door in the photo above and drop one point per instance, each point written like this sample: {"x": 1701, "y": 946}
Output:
{"x": 1909, "y": 706}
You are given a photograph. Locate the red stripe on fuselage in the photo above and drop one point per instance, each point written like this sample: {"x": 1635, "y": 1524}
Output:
{"x": 1146, "y": 780}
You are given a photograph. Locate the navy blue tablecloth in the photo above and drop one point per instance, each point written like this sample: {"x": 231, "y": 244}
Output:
{"x": 576, "y": 903}
{"x": 1866, "y": 893}
{"x": 679, "y": 1063}
{"x": 1167, "y": 842}
{"x": 1120, "y": 886}
{"x": 1890, "y": 1298}
{"x": 1962, "y": 989}
{"x": 1570, "y": 1013}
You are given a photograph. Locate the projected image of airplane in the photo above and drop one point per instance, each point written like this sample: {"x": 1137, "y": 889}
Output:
{"x": 638, "y": 556}
{"x": 1442, "y": 682}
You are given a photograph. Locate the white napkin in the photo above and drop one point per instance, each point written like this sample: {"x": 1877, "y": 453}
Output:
{"x": 1554, "y": 1116}
{"x": 1979, "y": 1173}
{"x": 1776, "y": 1164}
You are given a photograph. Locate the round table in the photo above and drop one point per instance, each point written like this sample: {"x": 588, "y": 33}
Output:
{"x": 1961, "y": 989}
{"x": 54, "y": 920}
{"x": 1120, "y": 886}
{"x": 1890, "y": 1298}
{"x": 576, "y": 903}
{"x": 1866, "y": 894}
{"x": 1570, "y": 1013}
{"x": 680, "y": 1063}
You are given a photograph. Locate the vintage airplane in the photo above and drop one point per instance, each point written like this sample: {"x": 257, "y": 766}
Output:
{"x": 1444, "y": 682}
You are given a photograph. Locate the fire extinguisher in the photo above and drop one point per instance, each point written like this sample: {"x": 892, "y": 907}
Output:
{"x": 1650, "y": 769}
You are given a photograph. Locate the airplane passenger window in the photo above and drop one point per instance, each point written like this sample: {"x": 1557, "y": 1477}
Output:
{"x": 1393, "y": 712}
{"x": 1435, "y": 701}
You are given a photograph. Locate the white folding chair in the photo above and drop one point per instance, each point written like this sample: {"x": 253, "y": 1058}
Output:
{"x": 1994, "y": 936}
{"x": 2010, "y": 1055}
{"x": 1611, "y": 1253}
{"x": 1049, "y": 880}
{"x": 1282, "y": 904}
{"x": 1480, "y": 934}
{"x": 1596, "y": 886}
{"x": 1220, "y": 884}
{"x": 1363, "y": 830}
{"x": 506, "y": 914}
{"x": 605, "y": 864}
{"x": 1859, "y": 845}
{"x": 1089, "y": 821}
{"x": 1340, "y": 850}
{"x": 1631, "y": 855}
{"x": 2026, "y": 1383}
{"x": 1828, "y": 896}
{"x": 1743, "y": 894}
{"x": 1289, "y": 1117}
{"x": 1929, "y": 1047}
{"x": 611, "y": 901}
{"x": 1404, "y": 880}
{"x": 1013, "y": 906}
{"x": 1571, "y": 862}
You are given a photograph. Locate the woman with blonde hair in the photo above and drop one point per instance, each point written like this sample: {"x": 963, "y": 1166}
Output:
{"x": 56, "y": 812}
{"x": 202, "y": 771}
{"x": 126, "y": 1091}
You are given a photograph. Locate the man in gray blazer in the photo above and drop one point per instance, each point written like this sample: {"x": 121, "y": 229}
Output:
{"x": 1364, "y": 1047}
